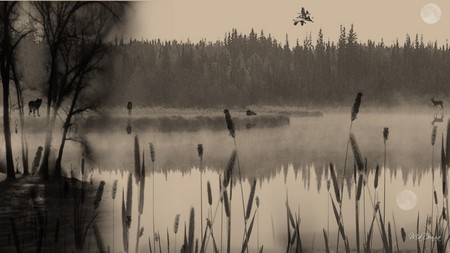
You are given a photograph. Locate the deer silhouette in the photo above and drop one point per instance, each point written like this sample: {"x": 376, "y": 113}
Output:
{"x": 437, "y": 120}
{"x": 437, "y": 102}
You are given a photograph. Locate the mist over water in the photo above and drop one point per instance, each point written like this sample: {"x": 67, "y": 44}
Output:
{"x": 286, "y": 161}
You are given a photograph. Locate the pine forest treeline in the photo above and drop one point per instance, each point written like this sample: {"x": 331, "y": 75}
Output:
{"x": 256, "y": 69}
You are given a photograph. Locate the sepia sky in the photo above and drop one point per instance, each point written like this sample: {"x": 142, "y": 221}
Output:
{"x": 211, "y": 19}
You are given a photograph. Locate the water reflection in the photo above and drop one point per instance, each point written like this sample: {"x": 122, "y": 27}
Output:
{"x": 288, "y": 162}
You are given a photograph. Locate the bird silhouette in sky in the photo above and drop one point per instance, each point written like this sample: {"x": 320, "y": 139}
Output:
{"x": 303, "y": 17}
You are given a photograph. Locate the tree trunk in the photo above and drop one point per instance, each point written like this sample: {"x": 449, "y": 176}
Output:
{"x": 44, "y": 169}
{"x": 5, "y": 68}
{"x": 22, "y": 121}
{"x": 66, "y": 130}
{"x": 7, "y": 128}
{"x": 58, "y": 168}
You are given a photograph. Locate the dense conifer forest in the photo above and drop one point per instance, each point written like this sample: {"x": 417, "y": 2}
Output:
{"x": 256, "y": 69}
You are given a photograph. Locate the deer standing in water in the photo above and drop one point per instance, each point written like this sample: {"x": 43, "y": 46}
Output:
{"x": 436, "y": 103}
{"x": 438, "y": 120}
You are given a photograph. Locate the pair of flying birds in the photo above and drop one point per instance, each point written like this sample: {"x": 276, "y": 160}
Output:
{"x": 303, "y": 17}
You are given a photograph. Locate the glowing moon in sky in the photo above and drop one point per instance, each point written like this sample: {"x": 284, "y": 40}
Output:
{"x": 406, "y": 200}
{"x": 431, "y": 13}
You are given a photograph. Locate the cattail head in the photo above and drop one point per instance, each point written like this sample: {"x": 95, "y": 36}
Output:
{"x": 226, "y": 203}
{"x": 98, "y": 195}
{"x": 141, "y": 232}
{"x": 356, "y": 104}
{"x": 200, "y": 151}
{"x": 152, "y": 152}
{"x": 335, "y": 183}
{"x": 356, "y": 152}
{"x": 435, "y": 197}
{"x": 433, "y": 135}
{"x": 114, "y": 189}
{"x": 385, "y": 134}
{"x": 230, "y": 124}
{"x": 208, "y": 186}
{"x": 257, "y": 202}
{"x": 403, "y": 233}
{"x": 176, "y": 223}
{"x": 229, "y": 170}
{"x": 377, "y": 173}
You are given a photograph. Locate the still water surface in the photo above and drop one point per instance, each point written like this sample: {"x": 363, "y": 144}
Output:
{"x": 288, "y": 162}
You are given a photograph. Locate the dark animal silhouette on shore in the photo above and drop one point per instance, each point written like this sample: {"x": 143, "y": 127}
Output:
{"x": 33, "y": 106}
{"x": 129, "y": 107}
{"x": 250, "y": 113}
{"x": 438, "y": 120}
{"x": 437, "y": 102}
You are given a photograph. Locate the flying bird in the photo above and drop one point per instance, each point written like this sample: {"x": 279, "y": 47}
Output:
{"x": 303, "y": 17}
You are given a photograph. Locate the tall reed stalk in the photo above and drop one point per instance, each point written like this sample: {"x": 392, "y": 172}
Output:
{"x": 433, "y": 141}
{"x": 385, "y": 138}
{"x": 358, "y": 187}
{"x": 232, "y": 130}
{"x": 200, "y": 156}
{"x": 152, "y": 156}
{"x": 176, "y": 223}
{"x": 354, "y": 114}
{"x": 113, "y": 195}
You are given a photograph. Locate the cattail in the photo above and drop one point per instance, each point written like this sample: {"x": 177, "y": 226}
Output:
{"x": 220, "y": 188}
{"x": 200, "y": 151}
{"x": 435, "y": 197}
{"x": 191, "y": 229}
{"x": 129, "y": 199}
{"x": 98, "y": 195}
{"x": 226, "y": 203}
{"x": 114, "y": 189}
{"x": 229, "y": 170}
{"x": 125, "y": 225}
{"x": 208, "y": 188}
{"x": 403, "y": 233}
{"x": 137, "y": 159}
{"x": 141, "y": 232}
{"x": 359, "y": 189}
{"x": 250, "y": 200}
{"x": 36, "y": 160}
{"x": 176, "y": 223}
{"x": 355, "y": 108}
{"x": 385, "y": 134}
{"x": 356, "y": 152}
{"x": 257, "y": 202}
{"x": 142, "y": 187}
{"x": 98, "y": 238}
{"x": 335, "y": 183}
{"x": 230, "y": 124}
{"x": 377, "y": 174}
{"x": 433, "y": 135}
{"x": 152, "y": 152}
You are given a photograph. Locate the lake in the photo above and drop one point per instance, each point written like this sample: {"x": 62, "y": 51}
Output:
{"x": 291, "y": 162}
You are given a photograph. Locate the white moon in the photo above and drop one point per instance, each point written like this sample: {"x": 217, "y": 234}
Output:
{"x": 431, "y": 13}
{"x": 406, "y": 200}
